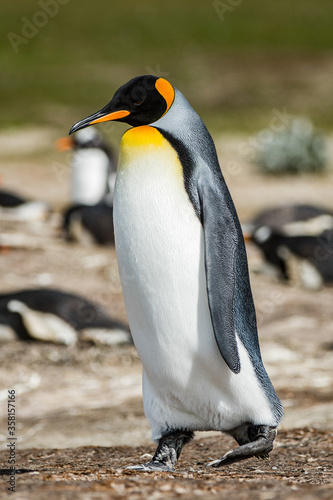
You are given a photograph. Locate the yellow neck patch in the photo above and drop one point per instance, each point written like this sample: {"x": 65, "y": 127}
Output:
{"x": 141, "y": 136}
{"x": 146, "y": 146}
{"x": 166, "y": 90}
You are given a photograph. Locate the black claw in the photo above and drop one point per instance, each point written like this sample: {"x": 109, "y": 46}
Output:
{"x": 167, "y": 452}
{"x": 265, "y": 456}
{"x": 260, "y": 443}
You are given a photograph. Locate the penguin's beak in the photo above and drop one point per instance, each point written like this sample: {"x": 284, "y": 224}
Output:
{"x": 64, "y": 144}
{"x": 247, "y": 236}
{"x": 247, "y": 230}
{"x": 103, "y": 115}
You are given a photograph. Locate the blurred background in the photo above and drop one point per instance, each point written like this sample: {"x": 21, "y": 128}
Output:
{"x": 242, "y": 65}
{"x": 260, "y": 75}
{"x": 234, "y": 62}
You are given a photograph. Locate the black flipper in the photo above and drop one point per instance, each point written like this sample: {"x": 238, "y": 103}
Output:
{"x": 228, "y": 287}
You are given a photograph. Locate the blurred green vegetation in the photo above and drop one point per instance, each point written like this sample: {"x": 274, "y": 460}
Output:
{"x": 235, "y": 71}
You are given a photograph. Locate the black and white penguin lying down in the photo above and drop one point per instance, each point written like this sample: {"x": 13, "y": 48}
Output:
{"x": 88, "y": 224}
{"x": 21, "y": 208}
{"x": 54, "y": 316}
{"x": 297, "y": 240}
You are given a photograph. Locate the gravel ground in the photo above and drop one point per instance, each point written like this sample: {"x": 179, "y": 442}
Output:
{"x": 300, "y": 467}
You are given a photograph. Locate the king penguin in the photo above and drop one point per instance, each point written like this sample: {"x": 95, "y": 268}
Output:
{"x": 185, "y": 280}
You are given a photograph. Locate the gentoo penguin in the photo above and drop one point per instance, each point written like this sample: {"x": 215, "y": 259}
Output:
{"x": 89, "y": 224}
{"x": 93, "y": 167}
{"x": 55, "y": 316}
{"x": 285, "y": 218}
{"x": 10, "y": 200}
{"x": 184, "y": 274}
{"x": 42, "y": 325}
{"x": 18, "y": 208}
{"x": 298, "y": 241}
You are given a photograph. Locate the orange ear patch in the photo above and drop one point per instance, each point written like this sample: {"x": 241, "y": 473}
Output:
{"x": 166, "y": 90}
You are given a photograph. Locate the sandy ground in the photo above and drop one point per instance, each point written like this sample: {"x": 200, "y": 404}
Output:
{"x": 79, "y": 411}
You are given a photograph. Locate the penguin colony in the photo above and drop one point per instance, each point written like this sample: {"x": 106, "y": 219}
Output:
{"x": 51, "y": 315}
{"x": 184, "y": 274}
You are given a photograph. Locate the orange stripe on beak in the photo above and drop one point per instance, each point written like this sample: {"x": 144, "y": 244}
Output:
{"x": 116, "y": 115}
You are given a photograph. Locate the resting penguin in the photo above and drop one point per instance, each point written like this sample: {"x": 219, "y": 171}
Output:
{"x": 55, "y": 316}
{"x": 184, "y": 274}
{"x": 89, "y": 224}
{"x": 42, "y": 325}
{"x": 298, "y": 241}
{"x": 10, "y": 200}
{"x": 293, "y": 219}
{"x": 21, "y": 209}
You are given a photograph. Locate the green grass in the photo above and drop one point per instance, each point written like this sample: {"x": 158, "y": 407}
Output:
{"x": 78, "y": 59}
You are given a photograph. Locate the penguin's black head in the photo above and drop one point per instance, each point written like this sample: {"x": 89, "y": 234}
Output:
{"x": 141, "y": 101}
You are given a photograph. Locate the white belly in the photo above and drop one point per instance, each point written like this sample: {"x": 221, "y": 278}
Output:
{"x": 89, "y": 176}
{"x": 160, "y": 251}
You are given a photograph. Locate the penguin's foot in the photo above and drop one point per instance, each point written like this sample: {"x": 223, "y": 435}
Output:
{"x": 152, "y": 467}
{"x": 167, "y": 453}
{"x": 255, "y": 440}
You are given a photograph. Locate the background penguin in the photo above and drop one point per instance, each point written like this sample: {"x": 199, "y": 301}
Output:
{"x": 89, "y": 224}
{"x": 284, "y": 218}
{"x": 55, "y": 316}
{"x": 93, "y": 167}
{"x": 42, "y": 325}
{"x": 185, "y": 280}
{"x": 298, "y": 241}
{"x": 19, "y": 208}
{"x": 10, "y": 200}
